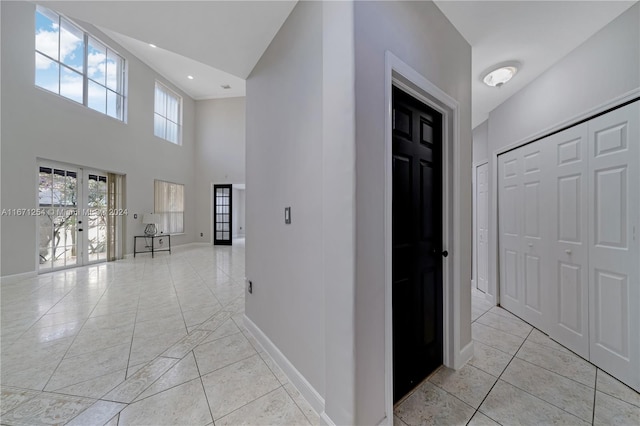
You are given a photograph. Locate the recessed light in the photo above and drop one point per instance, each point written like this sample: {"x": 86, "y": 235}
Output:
{"x": 500, "y": 74}
{"x": 190, "y": 77}
{"x": 152, "y": 45}
{"x": 225, "y": 86}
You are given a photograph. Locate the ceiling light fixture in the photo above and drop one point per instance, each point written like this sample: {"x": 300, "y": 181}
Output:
{"x": 500, "y": 74}
{"x": 190, "y": 77}
{"x": 225, "y": 86}
{"x": 152, "y": 45}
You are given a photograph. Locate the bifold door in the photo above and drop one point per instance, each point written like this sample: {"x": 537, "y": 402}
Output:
{"x": 569, "y": 219}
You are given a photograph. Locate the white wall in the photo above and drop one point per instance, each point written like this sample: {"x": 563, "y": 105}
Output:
{"x": 219, "y": 153}
{"x": 39, "y": 124}
{"x": 481, "y": 142}
{"x": 240, "y": 202}
{"x": 604, "y": 67}
{"x": 284, "y": 168}
{"x": 301, "y": 153}
{"x": 421, "y": 36}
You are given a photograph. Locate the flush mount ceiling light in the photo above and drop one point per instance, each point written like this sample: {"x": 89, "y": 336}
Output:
{"x": 190, "y": 77}
{"x": 500, "y": 74}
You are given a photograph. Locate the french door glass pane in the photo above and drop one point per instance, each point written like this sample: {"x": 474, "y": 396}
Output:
{"x": 58, "y": 203}
{"x": 97, "y": 218}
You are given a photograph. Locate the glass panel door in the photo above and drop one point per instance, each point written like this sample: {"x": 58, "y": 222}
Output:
{"x": 58, "y": 192}
{"x": 222, "y": 214}
{"x": 95, "y": 216}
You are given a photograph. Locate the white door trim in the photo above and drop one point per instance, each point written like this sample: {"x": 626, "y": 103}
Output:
{"x": 400, "y": 74}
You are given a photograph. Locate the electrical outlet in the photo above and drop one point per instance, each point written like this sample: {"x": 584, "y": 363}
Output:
{"x": 250, "y": 287}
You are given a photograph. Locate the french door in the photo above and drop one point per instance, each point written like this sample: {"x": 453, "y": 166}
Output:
{"x": 72, "y": 216}
{"x": 222, "y": 219}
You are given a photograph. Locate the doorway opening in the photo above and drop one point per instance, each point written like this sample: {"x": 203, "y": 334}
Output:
{"x": 79, "y": 214}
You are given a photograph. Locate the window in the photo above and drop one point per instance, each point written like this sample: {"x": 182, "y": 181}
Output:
{"x": 168, "y": 114}
{"x": 74, "y": 64}
{"x": 169, "y": 206}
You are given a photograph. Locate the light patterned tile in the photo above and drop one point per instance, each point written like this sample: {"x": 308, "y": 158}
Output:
{"x": 226, "y": 329}
{"x": 10, "y": 398}
{"x": 430, "y": 405}
{"x": 88, "y": 366}
{"x": 275, "y": 408}
{"x": 222, "y": 352}
{"x": 469, "y": 383}
{"x": 184, "y": 371}
{"x": 613, "y": 411}
{"x": 540, "y": 338}
{"x": 308, "y": 411}
{"x": 234, "y": 386}
{"x": 488, "y": 359}
{"x": 46, "y": 409}
{"x": 495, "y": 338}
{"x": 127, "y": 391}
{"x": 613, "y": 387}
{"x": 480, "y": 419}
{"x": 97, "y": 414}
{"x": 512, "y": 326}
{"x": 509, "y": 405}
{"x": 553, "y": 388}
{"x": 96, "y": 387}
{"x": 563, "y": 363}
{"x": 182, "y": 405}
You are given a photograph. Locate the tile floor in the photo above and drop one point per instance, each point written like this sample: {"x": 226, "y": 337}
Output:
{"x": 161, "y": 341}
{"x": 140, "y": 341}
{"x": 518, "y": 376}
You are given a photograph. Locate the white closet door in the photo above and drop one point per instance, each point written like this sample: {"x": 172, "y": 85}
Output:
{"x": 614, "y": 257}
{"x": 535, "y": 219}
{"x": 482, "y": 225}
{"x": 568, "y": 269}
{"x": 509, "y": 210}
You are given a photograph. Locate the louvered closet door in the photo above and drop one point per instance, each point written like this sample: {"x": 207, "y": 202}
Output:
{"x": 568, "y": 270}
{"x": 614, "y": 256}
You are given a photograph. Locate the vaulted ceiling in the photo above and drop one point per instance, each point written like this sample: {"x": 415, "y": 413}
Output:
{"x": 219, "y": 42}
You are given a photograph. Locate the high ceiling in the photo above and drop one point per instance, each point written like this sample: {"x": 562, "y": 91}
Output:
{"x": 535, "y": 33}
{"x": 219, "y": 42}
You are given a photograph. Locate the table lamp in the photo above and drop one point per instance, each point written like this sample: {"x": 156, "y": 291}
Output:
{"x": 150, "y": 220}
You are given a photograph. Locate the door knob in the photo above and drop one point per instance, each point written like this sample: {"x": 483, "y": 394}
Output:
{"x": 445, "y": 253}
{"x": 567, "y": 251}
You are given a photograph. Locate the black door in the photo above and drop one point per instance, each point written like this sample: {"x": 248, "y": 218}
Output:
{"x": 417, "y": 242}
{"x": 222, "y": 215}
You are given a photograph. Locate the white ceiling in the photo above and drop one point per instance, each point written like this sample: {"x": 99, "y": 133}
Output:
{"x": 535, "y": 33}
{"x": 217, "y": 42}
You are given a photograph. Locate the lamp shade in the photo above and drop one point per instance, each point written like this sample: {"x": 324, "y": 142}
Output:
{"x": 149, "y": 218}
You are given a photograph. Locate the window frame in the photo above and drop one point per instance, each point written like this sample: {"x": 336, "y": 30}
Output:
{"x": 161, "y": 213}
{"x": 168, "y": 92}
{"x": 121, "y": 96}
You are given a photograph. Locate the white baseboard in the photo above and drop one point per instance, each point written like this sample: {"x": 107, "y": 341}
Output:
{"x": 12, "y": 279}
{"x": 465, "y": 356}
{"x": 296, "y": 378}
{"x": 326, "y": 419}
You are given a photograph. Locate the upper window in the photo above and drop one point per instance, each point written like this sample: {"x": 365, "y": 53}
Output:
{"x": 74, "y": 64}
{"x": 167, "y": 120}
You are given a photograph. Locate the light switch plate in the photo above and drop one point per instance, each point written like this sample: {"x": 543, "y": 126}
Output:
{"x": 287, "y": 215}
